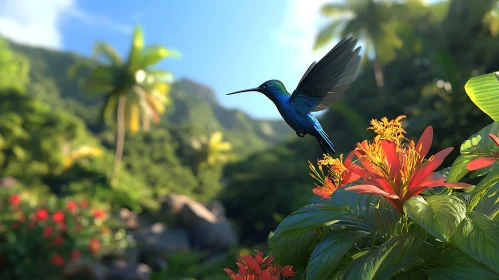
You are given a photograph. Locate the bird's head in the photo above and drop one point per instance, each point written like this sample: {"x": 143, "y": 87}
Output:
{"x": 266, "y": 88}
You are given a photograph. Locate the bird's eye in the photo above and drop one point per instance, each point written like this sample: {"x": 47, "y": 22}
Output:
{"x": 266, "y": 85}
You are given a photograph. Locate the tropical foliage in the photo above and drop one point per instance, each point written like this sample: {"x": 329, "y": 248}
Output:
{"x": 136, "y": 92}
{"x": 385, "y": 213}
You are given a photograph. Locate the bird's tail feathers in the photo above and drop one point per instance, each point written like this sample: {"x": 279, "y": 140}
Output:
{"x": 326, "y": 142}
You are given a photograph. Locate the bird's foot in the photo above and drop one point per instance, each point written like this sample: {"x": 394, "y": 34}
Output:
{"x": 301, "y": 133}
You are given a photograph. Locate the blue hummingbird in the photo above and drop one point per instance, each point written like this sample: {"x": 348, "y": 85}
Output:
{"x": 322, "y": 84}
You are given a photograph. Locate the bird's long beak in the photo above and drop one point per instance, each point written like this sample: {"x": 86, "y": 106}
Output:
{"x": 244, "y": 90}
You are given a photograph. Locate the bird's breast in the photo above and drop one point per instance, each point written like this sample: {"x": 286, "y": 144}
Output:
{"x": 296, "y": 120}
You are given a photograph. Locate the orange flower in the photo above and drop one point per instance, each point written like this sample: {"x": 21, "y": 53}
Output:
{"x": 41, "y": 215}
{"x": 98, "y": 214}
{"x": 58, "y": 241}
{"x": 14, "y": 199}
{"x": 58, "y": 216}
{"x": 339, "y": 174}
{"x": 487, "y": 160}
{"x": 71, "y": 206}
{"x": 258, "y": 267}
{"x": 47, "y": 231}
{"x": 399, "y": 170}
{"x": 94, "y": 246}
{"x": 57, "y": 260}
{"x": 75, "y": 254}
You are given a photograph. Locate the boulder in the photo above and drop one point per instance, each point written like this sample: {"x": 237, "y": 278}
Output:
{"x": 123, "y": 270}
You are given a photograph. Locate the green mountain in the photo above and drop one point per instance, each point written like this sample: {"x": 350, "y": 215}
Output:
{"x": 193, "y": 103}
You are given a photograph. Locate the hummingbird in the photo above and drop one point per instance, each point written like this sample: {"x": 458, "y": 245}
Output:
{"x": 323, "y": 83}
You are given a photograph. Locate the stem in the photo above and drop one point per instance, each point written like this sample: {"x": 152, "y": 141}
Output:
{"x": 120, "y": 136}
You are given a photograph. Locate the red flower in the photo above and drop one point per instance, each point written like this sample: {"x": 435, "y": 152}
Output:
{"x": 83, "y": 203}
{"x": 58, "y": 241}
{"x": 398, "y": 171}
{"x": 22, "y": 217}
{"x": 31, "y": 225}
{"x": 94, "y": 246}
{"x": 15, "y": 225}
{"x": 487, "y": 160}
{"x": 47, "y": 231}
{"x": 71, "y": 206}
{"x": 258, "y": 267}
{"x": 41, "y": 215}
{"x": 75, "y": 254}
{"x": 57, "y": 260}
{"x": 340, "y": 174}
{"x": 58, "y": 216}
{"x": 14, "y": 199}
{"x": 98, "y": 214}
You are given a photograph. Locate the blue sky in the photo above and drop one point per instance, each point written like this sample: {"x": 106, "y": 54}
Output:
{"x": 225, "y": 44}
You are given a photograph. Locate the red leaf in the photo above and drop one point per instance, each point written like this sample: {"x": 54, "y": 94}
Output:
{"x": 348, "y": 159}
{"x": 391, "y": 155}
{"x": 480, "y": 162}
{"x": 428, "y": 167}
{"x": 494, "y": 138}
{"x": 370, "y": 189}
{"x": 424, "y": 142}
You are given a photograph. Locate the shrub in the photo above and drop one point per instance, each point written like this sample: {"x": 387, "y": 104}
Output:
{"x": 39, "y": 239}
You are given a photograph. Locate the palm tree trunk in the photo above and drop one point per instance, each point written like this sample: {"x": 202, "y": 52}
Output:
{"x": 378, "y": 74}
{"x": 120, "y": 136}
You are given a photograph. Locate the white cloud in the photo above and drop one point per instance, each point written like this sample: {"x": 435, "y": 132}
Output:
{"x": 36, "y": 22}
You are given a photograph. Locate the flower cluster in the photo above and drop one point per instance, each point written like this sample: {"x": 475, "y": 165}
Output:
{"x": 61, "y": 232}
{"x": 259, "y": 268}
{"x": 391, "y": 166}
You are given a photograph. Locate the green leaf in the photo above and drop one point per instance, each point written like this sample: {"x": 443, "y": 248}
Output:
{"x": 400, "y": 253}
{"x": 483, "y": 90}
{"x": 366, "y": 212}
{"x": 329, "y": 252}
{"x": 440, "y": 215}
{"x": 458, "y": 169}
{"x": 483, "y": 187}
{"x": 293, "y": 250}
{"x": 136, "y": 48}
{"x": 489, "y": 203}
{"x": 108, "y": 52}
{"x": 454, "y": 264}
{"x": 308, "y": 218}
{"x": 152, "y": 55}
{"x": 478, "y": 236}
{"x": 480, "y": 142}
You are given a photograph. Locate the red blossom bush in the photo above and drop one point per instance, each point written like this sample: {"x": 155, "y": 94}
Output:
{"x": 39, "y": 241}
{"x": 257, "y": 267}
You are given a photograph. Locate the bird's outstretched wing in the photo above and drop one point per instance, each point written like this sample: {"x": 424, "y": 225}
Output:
{"x": 324, "y": 82}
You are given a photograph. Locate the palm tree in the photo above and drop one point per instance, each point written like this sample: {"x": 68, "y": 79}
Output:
{"x": 136, "y": 93}
{"x": 369, "y": 20}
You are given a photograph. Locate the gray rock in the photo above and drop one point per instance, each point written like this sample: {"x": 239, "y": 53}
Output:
{"x": 120, "y": 269}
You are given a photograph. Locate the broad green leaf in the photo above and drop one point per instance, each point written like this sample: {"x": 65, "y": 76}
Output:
{"x": 478, "y": 236}
{"x": 294, "y": 250}
{"x": 483, "y": 90}
{"x": 439, "y": 214}
{"x": 308, "y": 218}
{"x": 483, "y": 187}
{"x": 458, "y": 169}
{"x": 454, "y": 264}
{"x": 366, "y": 212}
{"x": 489, "y": 203}
{"x": 400, "y": 253}
{"x": 329, "y": 252}
{"x": 480, "y": 142}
